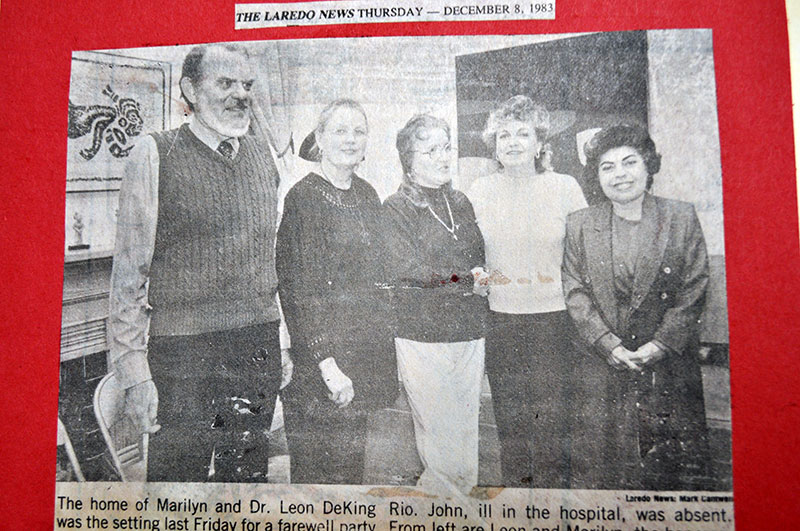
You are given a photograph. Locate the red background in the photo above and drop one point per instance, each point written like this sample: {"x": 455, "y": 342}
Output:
{"x": 752, "y": 72}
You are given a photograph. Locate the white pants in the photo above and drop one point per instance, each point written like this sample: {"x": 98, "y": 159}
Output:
{"x": 443, "y": 383}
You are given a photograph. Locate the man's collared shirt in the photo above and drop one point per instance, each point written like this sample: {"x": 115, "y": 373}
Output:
{"x": 209, "y": 137}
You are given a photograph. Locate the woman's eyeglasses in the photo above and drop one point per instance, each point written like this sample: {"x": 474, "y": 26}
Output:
{"x": 436, "y": 151}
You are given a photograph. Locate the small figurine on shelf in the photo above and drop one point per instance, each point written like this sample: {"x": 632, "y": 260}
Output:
{"x": 77, "y": 234}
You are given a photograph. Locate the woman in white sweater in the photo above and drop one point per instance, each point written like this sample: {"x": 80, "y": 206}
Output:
{"x": 521, "y": 211}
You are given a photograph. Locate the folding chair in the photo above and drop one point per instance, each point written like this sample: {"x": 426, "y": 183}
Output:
{"x": 62, "y": 439}
{"x": 127, "y": 446}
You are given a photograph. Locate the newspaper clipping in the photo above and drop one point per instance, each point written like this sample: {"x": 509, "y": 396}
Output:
{"x": 456, "y": 283}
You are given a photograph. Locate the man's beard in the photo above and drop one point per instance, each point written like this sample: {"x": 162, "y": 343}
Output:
{"x": 225, "y": 127}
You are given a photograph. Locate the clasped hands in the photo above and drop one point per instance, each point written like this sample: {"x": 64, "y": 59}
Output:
{"x": 481, "y": 279}
{"x": 338, "y": 383}
{"x": 622, "y": 358}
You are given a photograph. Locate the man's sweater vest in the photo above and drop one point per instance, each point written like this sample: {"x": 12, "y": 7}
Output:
{"x": 213, "y": 264}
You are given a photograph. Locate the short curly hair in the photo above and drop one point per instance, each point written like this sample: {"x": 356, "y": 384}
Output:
{"x": 520, "y": 108}
{"x": 633, "y": 136}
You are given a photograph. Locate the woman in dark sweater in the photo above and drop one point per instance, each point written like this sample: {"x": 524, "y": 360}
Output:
{"x": 328, "y": 259}
{"x": 435, "y": 255}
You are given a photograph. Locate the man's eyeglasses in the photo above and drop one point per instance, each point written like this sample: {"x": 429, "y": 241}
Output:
{"x": 436, "y": 151}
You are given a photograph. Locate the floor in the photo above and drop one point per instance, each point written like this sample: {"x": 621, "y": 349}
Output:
{"x": 391, "y": 432}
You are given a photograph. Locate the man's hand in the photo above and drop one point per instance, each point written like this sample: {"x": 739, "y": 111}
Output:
{"x": 141, "y": 404}
{"x": 287, "y": 368}
{"x": 339, "y": 385}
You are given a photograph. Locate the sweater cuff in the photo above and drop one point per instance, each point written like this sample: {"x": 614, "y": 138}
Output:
{"x": 131, "y": 369}
{"x": 667, "y": 350}
{"x": 607, "y": 343}
{"x": 319, "y": 348}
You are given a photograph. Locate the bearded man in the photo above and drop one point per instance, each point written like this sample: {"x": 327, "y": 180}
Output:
{"x": 193, "y": 325}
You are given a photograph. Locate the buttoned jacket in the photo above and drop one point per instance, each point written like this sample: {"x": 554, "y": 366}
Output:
{"x": 670, "y": 278}
{"x": 653, "y": 409}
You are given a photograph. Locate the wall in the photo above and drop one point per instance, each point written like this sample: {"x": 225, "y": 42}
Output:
{"x": 396, "y": 77}
{"x": 683, "y": 124}
{"x": 393, "y": 77}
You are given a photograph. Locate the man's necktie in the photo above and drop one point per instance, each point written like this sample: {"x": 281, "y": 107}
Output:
{"x": 225, "y": 149}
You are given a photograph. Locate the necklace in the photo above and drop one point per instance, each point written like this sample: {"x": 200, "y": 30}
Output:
{"x": 325, "y": 176}
{"x": 452, "y": 228}
{"x": 347, "y": 200}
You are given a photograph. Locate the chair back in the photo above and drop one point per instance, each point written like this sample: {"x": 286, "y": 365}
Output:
{"x": 126, "y": 444}
{"x": 62, "y": 439}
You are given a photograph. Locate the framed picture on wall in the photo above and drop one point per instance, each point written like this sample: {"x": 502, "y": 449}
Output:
{"x": 114, "y": 101}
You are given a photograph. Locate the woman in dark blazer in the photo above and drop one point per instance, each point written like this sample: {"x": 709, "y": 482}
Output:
{"x": 635, "y": 273}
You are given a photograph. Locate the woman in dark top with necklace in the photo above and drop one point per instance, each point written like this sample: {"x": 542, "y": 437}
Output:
{"x": 635, "y": 275}
{"x": 330, "y": 273}
{"x": 435, "y": 252}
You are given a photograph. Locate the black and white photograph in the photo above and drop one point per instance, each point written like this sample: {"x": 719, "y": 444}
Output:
{"x": 441, "y": 264}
